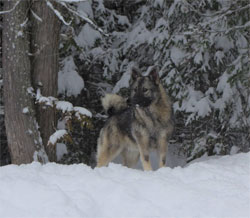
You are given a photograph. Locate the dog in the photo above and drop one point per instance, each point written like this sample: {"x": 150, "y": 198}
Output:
{"x": 133, "y": 130}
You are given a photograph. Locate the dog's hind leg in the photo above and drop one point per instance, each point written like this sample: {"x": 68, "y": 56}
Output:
{"x": 106, "y": 151}
{"x": 130, "y": 157}
{"x": 104, "y": 156}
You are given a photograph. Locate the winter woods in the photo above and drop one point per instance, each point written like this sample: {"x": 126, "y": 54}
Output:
{"x": 77, "y": 51}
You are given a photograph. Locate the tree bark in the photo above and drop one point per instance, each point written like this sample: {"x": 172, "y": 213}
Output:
{"x": 44, "y": 45}
{"x": 24, "y": 139}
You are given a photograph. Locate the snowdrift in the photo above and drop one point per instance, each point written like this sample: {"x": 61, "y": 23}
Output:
{"x": 213, "y": 188}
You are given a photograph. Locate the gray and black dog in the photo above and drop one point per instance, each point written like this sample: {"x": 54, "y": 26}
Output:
{"x": 133, "y": 130}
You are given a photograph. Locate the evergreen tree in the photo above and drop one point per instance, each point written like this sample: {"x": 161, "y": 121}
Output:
{"x": 202, "y": 50}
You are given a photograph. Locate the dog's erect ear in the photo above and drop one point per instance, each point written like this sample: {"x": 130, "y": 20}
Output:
{"x": 135, "y": 73}
{"x": 153, "y": 75}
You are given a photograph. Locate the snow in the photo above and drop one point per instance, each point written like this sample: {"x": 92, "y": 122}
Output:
{"x": 49, "y": 101}
{"x": 12, "y": 9}
{"x": 87, "y": 37}
{"x": 123, "y": 82}
{"x": 56, "y": 136}
{"x": 224, "y": 43}
{"x": 72, "y": 1}
{"x": 123, "y": 20}
{"x": 224, "y": 86}
{"x": 39, "y": 155}
{"x": 64, "y": 106}
{"x": 196, "y": 104}
{"x": 234, "y": 150}
{"x": 198, "y": 58}
{"x": 61, "y": 149}
{"x": 82, "y": 111}
{"x": 139, "y": 34}
{"x": 213, "y": 188}
{"x": 173, "y": 7}
{"x": 36, "y": 16}
{"x": 25, "y": 110}
{"x": 69, "y": 81}
{"x": 219, "y": 55}
{"x": 159, "y": 3}
{"x": 242, "y": 42}
{"x": 177, "y": 55}
{"x": 85, "y": 7}
{"x": 203, "y": 107}
{"x": 57, "y": 13}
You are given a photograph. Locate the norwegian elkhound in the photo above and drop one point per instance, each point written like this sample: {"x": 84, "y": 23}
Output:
{"x": 132, "y": 130}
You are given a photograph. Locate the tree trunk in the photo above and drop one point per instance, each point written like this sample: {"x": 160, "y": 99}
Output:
{"x": 45, "y": 44}
{"x": 24, "y": 140}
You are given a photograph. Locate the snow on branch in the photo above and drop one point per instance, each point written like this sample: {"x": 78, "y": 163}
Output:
{"x": 80, "y": 111}
{"x": 246, "y": 25}
{"x": 36, "y": 16}
{"x": 69, "y": 112}
{"x": 64, "y": 106}
{"x": 225, "y": 31}
{"x": 59, "y": 135}
{"x": 58, "y": 14}
{"x": 222, "y": 13}
{"x": 72, "y": 1}
{"x": 12, "y": 9}
{"x": 82, "y": 16}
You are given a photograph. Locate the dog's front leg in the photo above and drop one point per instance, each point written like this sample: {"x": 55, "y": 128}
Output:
{"x": 144, "y": 156}
{"x": 142, "y": 139}
{"x": 162, "y": 148}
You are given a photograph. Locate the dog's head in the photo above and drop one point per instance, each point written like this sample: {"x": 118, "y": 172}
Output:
{"x": 144, "y": 89}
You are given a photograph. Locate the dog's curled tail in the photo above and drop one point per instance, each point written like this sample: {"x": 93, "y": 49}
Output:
{"x": 114, "y": 104}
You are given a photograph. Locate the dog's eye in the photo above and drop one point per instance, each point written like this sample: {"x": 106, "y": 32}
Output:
{"x": 144, "y": 89}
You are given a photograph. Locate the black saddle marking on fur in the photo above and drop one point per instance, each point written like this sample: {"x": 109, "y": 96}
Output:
{"x": 125, "y": 119}
{"x": 111, "y": 111}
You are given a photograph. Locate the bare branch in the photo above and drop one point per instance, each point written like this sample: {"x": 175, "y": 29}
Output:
{"x": 36, "y": 16}
{"x": 5, "y": 12}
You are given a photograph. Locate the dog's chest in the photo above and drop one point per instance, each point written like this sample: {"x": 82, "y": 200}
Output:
{"x": 149, "y": 120}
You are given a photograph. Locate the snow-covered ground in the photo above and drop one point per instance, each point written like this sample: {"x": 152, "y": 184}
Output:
{"x": 213, "y": 188}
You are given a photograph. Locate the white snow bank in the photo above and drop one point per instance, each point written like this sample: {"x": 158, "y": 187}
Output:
{"x": 214, "y": 188}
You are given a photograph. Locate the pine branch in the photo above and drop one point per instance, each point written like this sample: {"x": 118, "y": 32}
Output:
{"x": 83, "y": 17}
